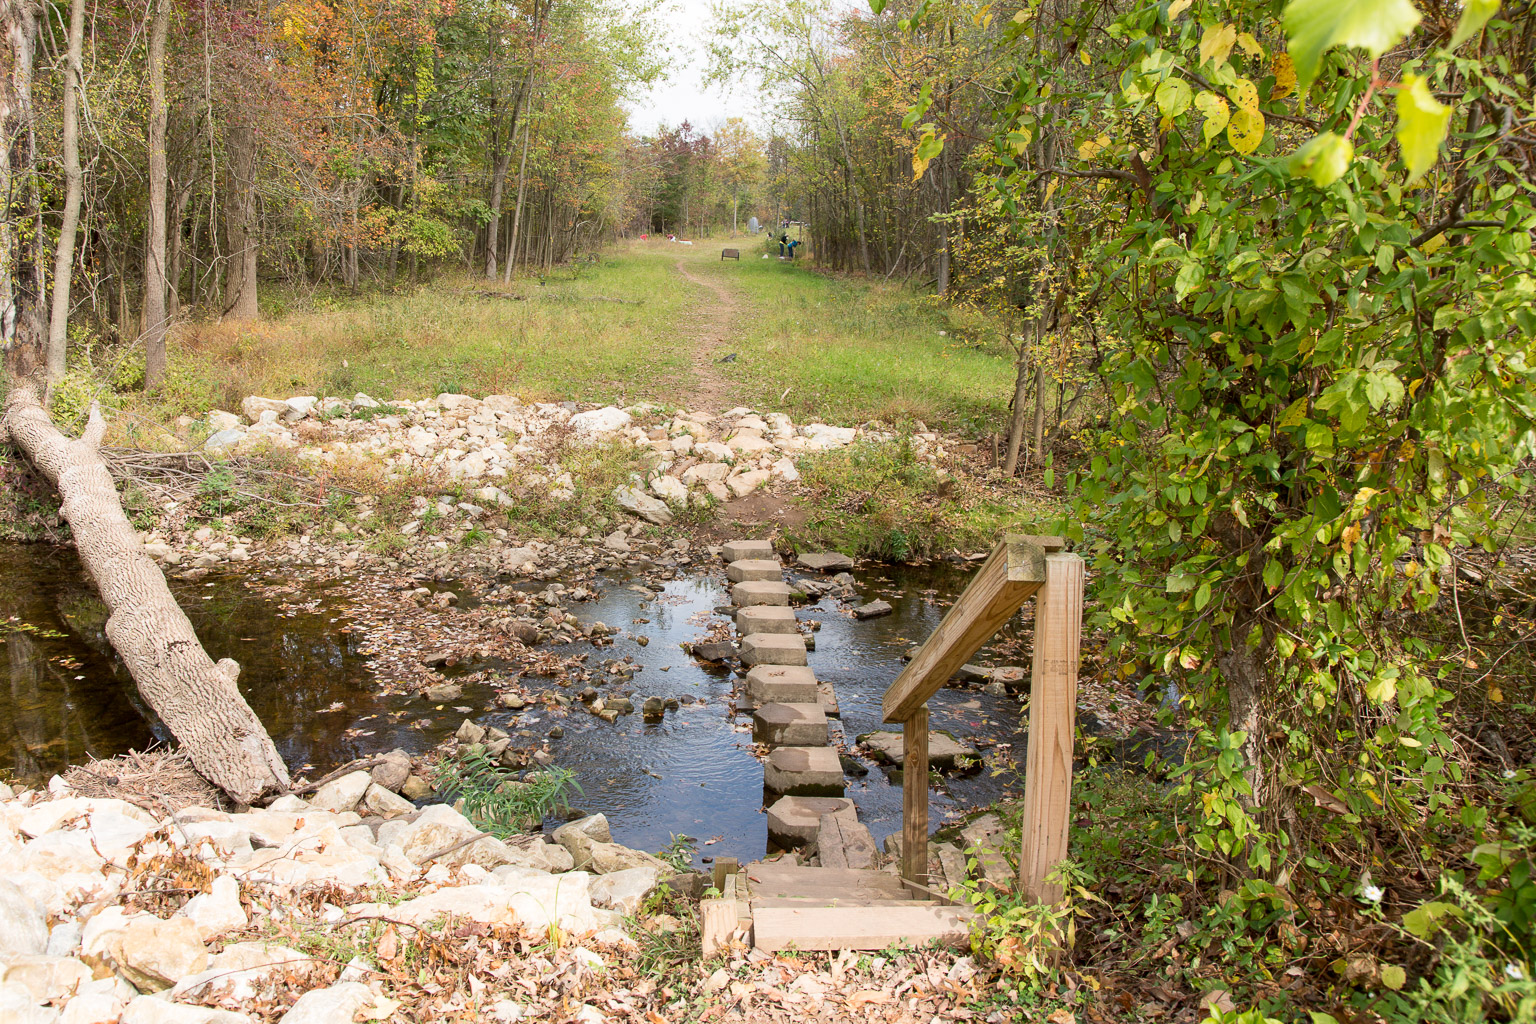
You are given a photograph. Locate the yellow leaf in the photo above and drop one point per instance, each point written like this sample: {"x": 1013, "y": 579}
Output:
{"x": 1495, "y": 695}
{"x": 1178, "y": 7}
{"x": 1430, "y": 247}
{"x": 1216, "y": 44}
{"x": 1349, "y": 536}
{"x": 1092, "y": 147}
{"x": 1216, "y": 114}
{"x": 1244, "y": 95}
{"x": 1083, "y": 56}
{"x": 1409, "y": 741}
{"x": 1285, "y": 76}
{"x": 1245, "y": 131}
{"x": 1050, "y": 189}
{"x": 1021, "y": 17}
{"x": 1249, "y": 45}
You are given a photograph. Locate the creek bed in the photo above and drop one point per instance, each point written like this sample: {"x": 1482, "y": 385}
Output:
{"x": 67, "y": 698}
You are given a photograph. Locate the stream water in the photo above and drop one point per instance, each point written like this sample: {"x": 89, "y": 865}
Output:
{"x": 67, "y": 698}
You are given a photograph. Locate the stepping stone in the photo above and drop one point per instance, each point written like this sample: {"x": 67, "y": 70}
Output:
{"x": 983, "y": 835}
{"x": 736, "y": 550}
{"x": 772, "y": 649}
{"x": 825, "y": 561}
{"x": 782, "y": 684}
{"x": 795, "y": 820}
{"x": 841, "y": 843}
{"x": 873, "y": 610}
{"x": 951, "y": 863}
{"x": 890, "y": 748}
{"x": 745, "y": 570}
{"x": 766, "y": 618}
{"x": 790, "y": 725}
{"x": 760, "y": 592}
{"x": 803, "y": 771}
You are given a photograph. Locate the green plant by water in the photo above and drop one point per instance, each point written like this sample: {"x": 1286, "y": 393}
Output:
{"x": 493, "y": 797}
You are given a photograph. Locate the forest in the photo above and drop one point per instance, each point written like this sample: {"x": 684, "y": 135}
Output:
{"x": 1236, "y": 297}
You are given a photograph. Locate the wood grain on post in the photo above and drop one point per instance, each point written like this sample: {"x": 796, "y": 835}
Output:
{"x": 914, "y": 798}
{"x": 1008, "y": 578}
{"x": 1052, "y": 718}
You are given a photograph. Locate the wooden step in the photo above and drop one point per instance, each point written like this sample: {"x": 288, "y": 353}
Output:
{"x": 779, "y": 902}
{"x": 772, "y": 880}
{"x": 819, "y": 928}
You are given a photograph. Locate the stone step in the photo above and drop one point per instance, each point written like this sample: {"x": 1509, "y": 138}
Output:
{"x": 766, "y": 618}
{"x": 736, "y": 550}
{"x": 772, "y": 649}
{"x": 745, "y": 570}
{"x": 760, "y": 592}
{"x": 943, "y": 749}
{"x": 783, "y": 684}
{"x": 795, "y": 820}
{"x": 790, "y": 725}
{"x": 841, "y": 843}
{"x": 803, "y": 771}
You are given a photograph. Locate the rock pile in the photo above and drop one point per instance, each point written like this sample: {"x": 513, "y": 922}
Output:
{"x": 92, "y": 928}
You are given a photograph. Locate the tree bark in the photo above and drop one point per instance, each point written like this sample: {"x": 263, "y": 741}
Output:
{"x": 154, "y": 244}
{"x": 240, "y": 224}
{"x": 64, "y": 252}
{"x": 196, "y": 698}
{"x": 22, "y": 283}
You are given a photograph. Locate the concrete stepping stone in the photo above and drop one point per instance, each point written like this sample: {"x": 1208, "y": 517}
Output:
{"x": 736, "y": 550}
{"x": 825, "y": 561}
{"x": 766, "y": 618}
{"x": 760, "y": 592}
{"x": 803, "y": 771}
{"x": 790, "y": 725}
{"x": 841, "y": 843}
{"x": 890, "y": 748}
{"x": 795, "y": 820}
{"x": 746, "y": 570}
{"x": 782, "y": 684}
{"x": 772, "y": 649}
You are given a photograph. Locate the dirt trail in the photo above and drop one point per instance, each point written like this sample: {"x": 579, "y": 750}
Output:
{"x": 708, "y": 328}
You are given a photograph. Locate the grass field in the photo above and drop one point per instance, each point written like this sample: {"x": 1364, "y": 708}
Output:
{"x": 624, "y": 330}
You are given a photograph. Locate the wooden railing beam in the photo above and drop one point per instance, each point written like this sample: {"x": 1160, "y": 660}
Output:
{"x": 1010, "y": 576}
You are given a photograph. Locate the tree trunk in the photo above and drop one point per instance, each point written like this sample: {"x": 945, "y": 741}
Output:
{"x": 1020, "y": 403}
{"x": 154, "y": 243}
{"x": 502, "y": 161}
{"x": 240, "y": 224}
{"x": 1037, "y": 429}
{"x": 196, "y": 698}
{"x": 22, "y": 275}
{"x": 177, "y": 252}
{"x": 522, "y": 185}
{"x": 64, "y": 251}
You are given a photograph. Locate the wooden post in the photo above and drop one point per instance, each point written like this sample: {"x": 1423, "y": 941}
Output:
{"x": 1052, "y": 719}
{"x": 914, "y": 798}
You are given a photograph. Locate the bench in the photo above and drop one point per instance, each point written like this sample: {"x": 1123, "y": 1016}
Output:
{"x": 730, "y": 254}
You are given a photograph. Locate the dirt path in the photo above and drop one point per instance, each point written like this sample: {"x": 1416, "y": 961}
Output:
{"x": 709, "y": 327}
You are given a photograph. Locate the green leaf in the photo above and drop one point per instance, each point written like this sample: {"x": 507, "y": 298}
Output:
{"x": 1202, "y": 596}
{"x": 1393, "y": 976}
{"x": 1174, "y": 97}
{"x": 1426, "y": 920}
{"x": 1315, "y": 26}
{"x": 1422, "y": 122}
{"x": 878, "y": 6}
{"x": 1474, "y": 15}
{"x": 1319, "y": 437}
{"x": 1189, "y": 278}
{"x": 1323, "y": 159}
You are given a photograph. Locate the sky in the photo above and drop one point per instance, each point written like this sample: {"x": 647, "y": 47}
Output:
{"x": 682, "y": 96}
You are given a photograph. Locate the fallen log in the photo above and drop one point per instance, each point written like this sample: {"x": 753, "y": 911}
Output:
{"x": 196, "y": 698}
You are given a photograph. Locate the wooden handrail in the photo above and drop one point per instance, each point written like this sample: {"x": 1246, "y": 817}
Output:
{"x": 1019, "y": 568}
{"x": 1009, "y": 577}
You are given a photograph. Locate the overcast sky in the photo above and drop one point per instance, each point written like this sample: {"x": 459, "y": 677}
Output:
{"x": 682, "y": 96}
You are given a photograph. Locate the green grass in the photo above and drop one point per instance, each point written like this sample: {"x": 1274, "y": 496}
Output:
{"x": 847, "y": 350}
{"x": 812, "y": 345}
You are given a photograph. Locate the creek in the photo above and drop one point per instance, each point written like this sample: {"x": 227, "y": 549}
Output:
{"x": 68, "y": 699}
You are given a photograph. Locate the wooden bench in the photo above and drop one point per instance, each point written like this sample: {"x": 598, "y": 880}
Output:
{"x": 730, "y": 254}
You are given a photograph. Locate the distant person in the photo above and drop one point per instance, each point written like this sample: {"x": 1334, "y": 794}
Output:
{"x": 783, "y": 243}
{"x": 792, "y": 248}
